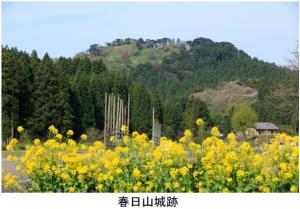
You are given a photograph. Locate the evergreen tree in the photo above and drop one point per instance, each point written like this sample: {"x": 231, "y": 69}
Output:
{"x": 51, "y": 98}
{"x": 158, "y": 109}
{"x": 34, "y": 62}
{"x": 227, "y": 119}
{"x": 98, "y": 66}
{"x": 26, "y": 88}
{"x": 84, "y": 112}
{"x": 140, "y": 109}
{"x": 173, "y": 115}
{"x": 97, "y": 90}
{"x": 195, "y": 109}
{"x": 10, "y": 91}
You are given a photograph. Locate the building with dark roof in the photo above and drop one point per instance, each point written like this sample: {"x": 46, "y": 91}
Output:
{"x": 266, "y": 128}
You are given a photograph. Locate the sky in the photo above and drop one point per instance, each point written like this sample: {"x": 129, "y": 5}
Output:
{"x": 266, "y": 30}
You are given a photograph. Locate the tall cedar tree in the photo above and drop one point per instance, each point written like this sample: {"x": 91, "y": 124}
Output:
{"x": 84, "y": 112}
{"x": 11, "y": 77}
{"x": 26, "y": 88}
{"x": 173, "y": 115}
{"x": 140, "y": 109}
{"x": 195, "y": 109}
{"x": 51, "y": 97}
{"x": 157, "y": 104}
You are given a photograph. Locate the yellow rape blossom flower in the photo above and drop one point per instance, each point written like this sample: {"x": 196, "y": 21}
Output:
{"x": 296, "y": 139}
{"x": 135, "y": 134}
{"x": 72, "y": 189}
{"x": 55, "y": 131}
{"x": 188, "y": 133}
{"x": 9, "y": 157}
{"x": 231, "y": 156}
{"x": 195, "y": 173}
{"x": 199, "y": 122}
{"x": 20, "y": 129}
{"x": 18, "y": 167}
{"x": 283, "y": 166}
{"x": 168, "y": 185}
{"x": 225, "y": 190}
{"x": 176, "y": 185}
{"x": 149, "y": 186}
{"x": 136, "y": 172}
{"x": 112, "y": 138}
{"x": 229, "y": 180}
{"x": 182, "y": 140}
{"x": 10, "y": 182}
{"x": 51, "y": 128}
{"x": 259, "y": 178}
{"x": 126, "y": 139}
{"x": 293, "y": 189}
{"x": 119, "y": 170}
{"x": 264, "y": 189}
{"x": 135, "y": 188}
{"x": 13, "y": 141}
{"x": 9, "y": 147}
{"x": 139, "y": 184}
{"x": 151, "y": 172}
{"x": 82, "y": 169}
{"x": 288, "y": 175}
{"x": 183, "y": 170}
{"x": 215, "y": 131}
{"x": 59, "y": 137}
{"x": 231, "y": 139}
{"x": 99, "y": 187}
{"x": 240, "y": 173}
{"x": 173, "y": 173}
{"x": 37, "y": 141}
{"x": 83, "y": 137}
{"x": 124, "y": 129}
{"x": 70, "y": 132}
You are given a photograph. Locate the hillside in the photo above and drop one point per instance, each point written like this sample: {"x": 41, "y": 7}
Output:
{"x": 128, "y": 56}
{"x": 227, "y": 94}
{"x": 191, "y": 65}
{"x": 180, "y": 68}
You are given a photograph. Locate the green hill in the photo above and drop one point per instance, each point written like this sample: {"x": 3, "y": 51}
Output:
{"x": 175, "y": 69}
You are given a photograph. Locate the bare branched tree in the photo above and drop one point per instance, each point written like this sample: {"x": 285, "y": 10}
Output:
{"x": 293, "y": 62}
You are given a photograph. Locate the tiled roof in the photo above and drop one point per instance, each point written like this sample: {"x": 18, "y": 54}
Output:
{"x": 265, "y": 126}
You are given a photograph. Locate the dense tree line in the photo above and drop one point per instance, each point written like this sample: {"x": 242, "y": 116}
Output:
{"x": 69, "y": 93}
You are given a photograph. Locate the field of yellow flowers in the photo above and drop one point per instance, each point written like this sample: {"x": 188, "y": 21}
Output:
{"x": 60, "y": 164}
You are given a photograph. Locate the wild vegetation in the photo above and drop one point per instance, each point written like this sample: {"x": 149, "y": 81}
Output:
{"x": 226, "y": 94}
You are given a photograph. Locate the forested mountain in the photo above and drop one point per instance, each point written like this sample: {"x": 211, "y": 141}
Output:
{"x": 177, "y": 68}
{"x": 69, "y": 92}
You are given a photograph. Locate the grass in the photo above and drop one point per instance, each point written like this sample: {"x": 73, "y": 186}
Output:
{"x": 119, "y": 57}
